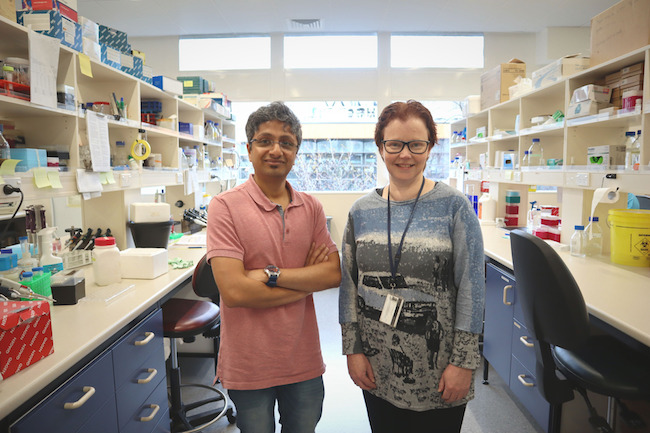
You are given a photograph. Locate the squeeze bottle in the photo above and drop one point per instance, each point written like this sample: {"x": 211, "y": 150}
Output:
{"x": 48, "y": 261}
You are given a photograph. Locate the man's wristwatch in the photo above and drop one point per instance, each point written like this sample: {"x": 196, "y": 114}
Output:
{"x": 273, "y": 272}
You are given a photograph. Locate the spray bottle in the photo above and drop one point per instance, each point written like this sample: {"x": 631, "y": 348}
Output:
{"x": 48, "y": 261}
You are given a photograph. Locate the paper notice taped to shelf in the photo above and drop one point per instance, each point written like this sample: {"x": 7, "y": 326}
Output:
{"x": 55, "y": 179}
{"x": 100, "y": 148}
{"x": 8, "y": 167}
{"x": 43, "y": 68}
{"x": 85, "y": 65}
{"x": 40, "y": 177}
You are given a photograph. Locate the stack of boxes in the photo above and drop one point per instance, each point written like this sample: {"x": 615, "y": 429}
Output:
{"x": 512, "y": 208}
{"x": 588, "y": 100}
{"x": 495, "y": 83}
{"x": 55, "y": 18}
{"x": 627, "y": 86}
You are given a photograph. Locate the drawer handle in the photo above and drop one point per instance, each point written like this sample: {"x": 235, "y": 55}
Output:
{"x": 88, "y": 392}
{"x": 505, "y": 294}
{"x": 155, "y": 408}
{"x": 524, "y": 340}
{"x": 149, "y": 337}
{"x": 148, "y": 379}
{"x": 523, "y": 381}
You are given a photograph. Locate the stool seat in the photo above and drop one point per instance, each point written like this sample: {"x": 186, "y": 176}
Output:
{"x": 188, "y": 317}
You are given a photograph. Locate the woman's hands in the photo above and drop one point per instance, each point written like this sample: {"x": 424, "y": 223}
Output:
{"x": 361, "y": 371}
{"x": 454, "y": 383}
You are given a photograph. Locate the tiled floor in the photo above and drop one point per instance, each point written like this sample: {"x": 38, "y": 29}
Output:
{"x": 492, "y": 411}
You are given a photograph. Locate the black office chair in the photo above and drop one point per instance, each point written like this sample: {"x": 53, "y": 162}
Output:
{"x": 555, "y": 313}
{"x": 187, "y": 318}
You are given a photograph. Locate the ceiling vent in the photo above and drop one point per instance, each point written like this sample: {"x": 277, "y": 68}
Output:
{"x": 304, "y": 24}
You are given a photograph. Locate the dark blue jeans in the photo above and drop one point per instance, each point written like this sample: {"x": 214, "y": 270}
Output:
{"x": 300, "y": 406}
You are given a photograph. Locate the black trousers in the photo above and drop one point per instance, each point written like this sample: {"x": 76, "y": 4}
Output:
{"x": 387, "y": 418}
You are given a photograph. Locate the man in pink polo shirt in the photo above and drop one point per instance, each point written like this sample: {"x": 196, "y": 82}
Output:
{"x": 269, "y": 249}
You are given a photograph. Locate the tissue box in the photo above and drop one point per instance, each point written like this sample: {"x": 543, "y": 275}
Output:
{"x": 150, "y": 212}
{"x": 52, "y": 23}
{"x": 606, "y": 156}
{"x": 92, "y": 49}
{"x": 89, "y": 29}
{"x": 553, "y": 72}
{"x": 131, "y": 65}
{"x": 496, "y": 82}
{"x": 30, "y": 158}
{"x": 168, "y": 85}
{"x": 25, "y": 335}
{"x": 147, "y": 74}
{"x": 143, "y": 263}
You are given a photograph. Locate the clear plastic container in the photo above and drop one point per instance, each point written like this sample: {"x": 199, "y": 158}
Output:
{"x": 535, "y": 154}
{"x": 594, "y": 235}
{"x": 21, "y": 69}
{"x": 578, "y": 242}
{"x": 106, "y": 262}
{"x": 633, "y": 151}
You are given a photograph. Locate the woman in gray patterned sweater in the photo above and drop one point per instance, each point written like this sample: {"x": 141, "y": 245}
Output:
{"x": 413, "y": 286}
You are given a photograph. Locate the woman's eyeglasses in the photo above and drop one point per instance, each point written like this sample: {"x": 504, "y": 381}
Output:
{"x": 415, "y": 146}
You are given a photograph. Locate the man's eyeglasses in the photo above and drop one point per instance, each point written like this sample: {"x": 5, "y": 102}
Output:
{"x": 266, "y": 143}
{"x": 415, "y": 146}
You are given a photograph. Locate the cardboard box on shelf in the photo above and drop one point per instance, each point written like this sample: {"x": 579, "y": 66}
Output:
{"x": 563, "y": 67}
{"x": 620, "y": 29}
{"x": 632, "y": 70}
{"x": 606, "y": 156}
{"x": 591, "y": 92}
{"x": 25, "y": 335}
{"x": 168, "y": 85}
{"x": 8, "y": 9}
{"x": 89, "y": 29}
{"x": 92, "y": 49}
{"x": 111, "y": 56}
{"x": 52, "y": 23}
{"x": 114, "y": 38}
{"x": 67, "y": 8}
{"x": 496, "y": 82}
{"x": 585, "y": 108}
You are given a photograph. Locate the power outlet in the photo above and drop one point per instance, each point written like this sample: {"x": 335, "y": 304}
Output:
{"x": 13, "y": 181}
{"x": 517, "y": 176}
{"x": 125, "y": 180}
{"x": 582, "y": 179}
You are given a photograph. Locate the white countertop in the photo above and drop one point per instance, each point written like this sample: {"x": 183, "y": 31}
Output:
{"x": 616, "y": 294}
{"x": 79, "y": 329}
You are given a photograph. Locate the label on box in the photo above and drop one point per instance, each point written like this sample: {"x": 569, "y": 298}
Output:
{"x": 127, "y": 61}
{"x": 113, "y": 55}
{"x": 37, "y": 22}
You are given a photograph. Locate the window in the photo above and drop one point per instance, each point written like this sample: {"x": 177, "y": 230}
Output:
{"x": 436, "y": 51}
{"x": 341, "y": 51}
{"x": 207, "y": 54}
{"x": 443, "y": 113}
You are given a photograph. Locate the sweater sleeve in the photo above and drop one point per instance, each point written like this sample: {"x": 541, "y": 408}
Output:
{"x": 348, "y": 292}
{"x": 469, "y": 269}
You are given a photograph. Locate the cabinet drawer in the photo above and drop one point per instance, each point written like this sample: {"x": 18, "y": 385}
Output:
{"x": 523, "y": 346}
{"x": 142, "y": 418}
{"x": 524, "y": 385}
{"x": 164, "y": 426}
{"x": 145, "y": 340}
{"x": 98, "y": 376}
{"x": 104, "y": 420}
{"x": 132, "y": 394}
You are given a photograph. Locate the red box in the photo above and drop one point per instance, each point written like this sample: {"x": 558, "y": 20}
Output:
{"x": 25, "y": 335}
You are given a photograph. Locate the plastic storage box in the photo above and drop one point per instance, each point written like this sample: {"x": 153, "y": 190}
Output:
{"x": 143, "y": 263}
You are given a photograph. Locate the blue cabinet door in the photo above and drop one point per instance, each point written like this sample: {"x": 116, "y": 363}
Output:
{"x": 497, "y": 332}
{"x": 72, "y": 405}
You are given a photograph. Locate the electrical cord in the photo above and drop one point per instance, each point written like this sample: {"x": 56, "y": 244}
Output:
{"x": 7, "y": 190}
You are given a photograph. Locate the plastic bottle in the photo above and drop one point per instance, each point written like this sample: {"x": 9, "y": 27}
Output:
{"x": 37, "y": 271}
{"x": 106, "y": 262}
{"x": 594, "y": 235}
{"x": 5, "y": 150}
{"x": 578, "y": 242}
{"x": 536, "y": 154}
{"x": 525, "y": 162}
{"x": 627, "y": 142}
{"x": 633, "y": 152}
{"x": 47, "y": 260}
{"x": 26, "y": 277}
{"x": 487, "y": 206}
{"x": 26, "y": 262}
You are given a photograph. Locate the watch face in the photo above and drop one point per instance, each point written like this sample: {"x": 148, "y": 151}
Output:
{"x": 272, "y": 270}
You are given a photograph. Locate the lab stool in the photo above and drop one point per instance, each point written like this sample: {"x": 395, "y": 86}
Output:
{"x": 186, "y": 318}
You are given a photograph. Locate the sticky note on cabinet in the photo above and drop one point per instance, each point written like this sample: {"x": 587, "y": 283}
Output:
{"x": 84, "y": 65}
{"x": 40, "y": 177}
{"x": 55, "y": 179}
{"x": 8, "y": 166}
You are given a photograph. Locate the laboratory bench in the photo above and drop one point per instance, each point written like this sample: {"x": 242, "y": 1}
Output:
{"x": 617, "y": 299}
{"x": 92, "y": 339}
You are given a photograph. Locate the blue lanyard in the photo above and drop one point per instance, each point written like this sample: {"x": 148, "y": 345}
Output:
{"x": 398, "y": 255}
